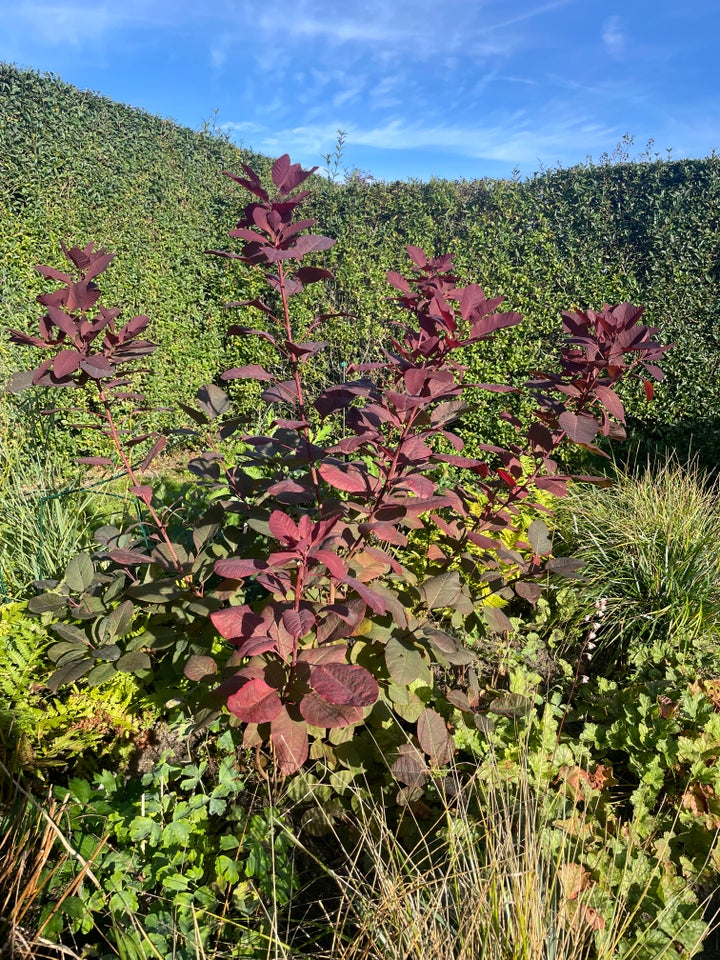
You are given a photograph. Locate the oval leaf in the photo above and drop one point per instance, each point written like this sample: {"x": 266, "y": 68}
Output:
{"x": 580, "y": 427}
{"x": 511, "y": 705}
{"x": 434, "y": 737}
{"x": 69, "y": 673}
{"x": 331, "y": 716}
{"x": 134, "y": 662}
{"x": 108, "y": 651}
{"x": 405, "y": 663}
{"x": 538, "y": 537}
{"x": 198, "y": 667}
{"x": 255, "y": 702}
{"x": 47, "y": 603}
{"x": 290, "y": 742}
{"x": 79, "y": 573}
{"x": 345, "y": 684}
{"x": 68, "y": 632}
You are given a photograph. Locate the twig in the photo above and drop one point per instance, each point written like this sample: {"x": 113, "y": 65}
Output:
{"x": 57, "y": 947}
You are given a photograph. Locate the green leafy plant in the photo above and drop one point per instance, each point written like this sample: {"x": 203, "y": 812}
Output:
{"x": 662, "y": 739}
{"x": 72, "y": 728}
{"x": 180, "y": 859}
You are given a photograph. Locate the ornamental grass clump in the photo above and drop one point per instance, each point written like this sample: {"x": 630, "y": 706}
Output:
{"x": 499, "y": 867}
{"x": 651, "y": 547}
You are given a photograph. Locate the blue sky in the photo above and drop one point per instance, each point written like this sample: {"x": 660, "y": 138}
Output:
{"x": 448, "y": 88}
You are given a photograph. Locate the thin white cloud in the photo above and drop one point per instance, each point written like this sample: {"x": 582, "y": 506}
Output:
{"x": 218, "y": 57}
{"x": 412, "y": 29}
{"x": 613, "y": 37}
{"x": 80, "y": 24}
{"x": 57, "y": 24}
{"x": 530, "y": 14}
{"x": 518, "y": 140}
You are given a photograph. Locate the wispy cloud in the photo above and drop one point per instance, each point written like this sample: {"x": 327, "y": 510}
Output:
{"x": 613, "y": 37}
{"x": 218, "y": 57}
{"x": 57, "y": 24}
{"x": 511, "y": 82}
{"x": 519, "y": 139}
{"x": 530, "y": 14}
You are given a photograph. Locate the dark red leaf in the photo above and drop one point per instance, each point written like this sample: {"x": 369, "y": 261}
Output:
{"x": 97, "y": 366}
{"x": 611, "y": 401}
{"x": 212, "y": 400}
{"x": 448, "y": 648}
{"x": 255, "y": 702}
{"x": 133, "y": 328}
{"x": 237, "y": 569}
{"x": 307, "y": 275}
{"x": 94, "y": 461}
{"x": 156, "y": 448}
{"x": 497, "y": 620}
{"x": 310, "y": 244}
{"x": 285, "y": 392}
{"x": 459, "y": 699}
{"x": 371, "y": 598}
{"x": 335, "y": 564}
{"x": 99, "y": 263}
{"x": 65, "y": 363}
{"x": 497, "y": 321}
{"x": 254, "y": 646}
{"x": 565, "y": 567}
{"x": 306, "y": 349}
{"x": 327, "y": 653}
{"x": 144, "y": 492}
{"x": 410, "y": 766}
{"x": 252, "y": 371}
{"x": 53, "y": 274}
{"x": 580, "y": 428}
{"x": 286, "y": 176}
{"x": 528, "y": 591}
{"x": 199, "y": 666}
{"x": 434, "y": 737}
{"x": 557, "y": 486}
{"x": 417, "y": 255}
{"x": 385, "y": 532}
{"x": 349, "y": 478}
{"x": 128, "y": 557}
{"x": 253, "y": 184}
{"x": 62, "y": 320}
{"x": 298, "y": 623}
{"x": 25, "y": 340}
{"x": 283, "y": 528}
{"x": 319, "y": 713}
{"x": 235, "y": 331}
{"x": 345, "y": 684}
{"x": 290, "y": 742}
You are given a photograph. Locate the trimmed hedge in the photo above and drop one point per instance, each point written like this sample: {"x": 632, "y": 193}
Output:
{"x": 78, "y": 167}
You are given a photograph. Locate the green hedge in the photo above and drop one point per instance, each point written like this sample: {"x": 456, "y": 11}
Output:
{"x": 77, "y": 167}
